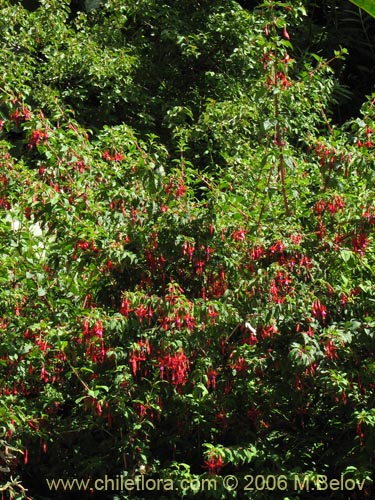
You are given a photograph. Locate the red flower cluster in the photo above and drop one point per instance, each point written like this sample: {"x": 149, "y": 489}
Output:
{"x": 239, "y": 235}
{"x": 360, "y": 243}
{"x": 112, "y": 157}
{"x": 368, "y": 143}
{"x": 174, "y": 368}
{"x": 281, "y": 287}
{"x": 175, "y": 188}
{"x": 139, "y": 354}
{"x": 330, "y": 350}
{"x": 95, "y": 331}
{"x": 319, "y": 310}
{"x": 20, "y": 115}
{"x": 36, "y": 137}
{"x": 332, "y": 206}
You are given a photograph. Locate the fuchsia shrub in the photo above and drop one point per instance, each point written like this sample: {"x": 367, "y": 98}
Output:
{"x": 185, "y": 322}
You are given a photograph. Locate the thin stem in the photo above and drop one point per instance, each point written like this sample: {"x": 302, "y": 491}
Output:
{"x": 281, "y": 154}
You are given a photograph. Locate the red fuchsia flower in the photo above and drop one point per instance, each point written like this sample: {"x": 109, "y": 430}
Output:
{"x": 320, "y": 207}
{"x": 141, "y": 410}
{"x": 188, "y": 249}
{"x": 42, "y": 344}
{"x": 168, "y": 187}
{"x": 305, "y": 262}
{"x": 115, "y": 157}
{"x": 44, "y": 375}
{"x": 153, "y": 261}
{"x": 106, "y": 155}
{"x": 369, "y": 215}
{"x": 218, "y": 288}
{"x": 268, "y": 331}
{"x": 321, "y": 230}
{"x": 3, "y": 180}
{"x": 139, "y": 354}
{"x": 83, "y": 245}
{"x": 212, "y": 314}
{"x": 239, "y": 235}
{"x": 79, "y": 165}
{"x": 283, "y": 279}
{"x": 177, "y": 321}
{"x": 278, "y": 247}
{"x": 199, "y": 266}
{"x": 4, "y": 203}
{"x": 319, "y": 310}
{"x": 174, "y": 368}
{"x": 178, "y": 190}
{"x": 330, "y": 350}
{"x": 239, "y": 364}
{"x": 213, "y": 464}
{"x": 285, "y": 83}
{"x": 118, "y": 157}
{"x": 86, "y": 328}
{"x": 164, "y": 322}
{"x": 189, "y": 322}
{"x": 311, "y": 369}
{"x": 142, "y": 312}
{"x": 211, "y": 378}
{"x": 339, "y": 202}
{"x": 97, "y": 353}
{"x": 98, "y": 328}
{"x": 296, "y": 238}
{"x": 250, "y": 338}
{"x": 274, "y": 291}
{"x": 98, "y": 408}
{"x": 360, "y": 433}
{"x": 343, "y": 299}
{"x": 285, "y": 59}
{"x": 335, "y": 205}
{"x": 36, "y": 137}
{"x": 286, "y": 34}
{"x": 125, "y": 307}
{"x": 257, "y": 253}
{"x": 310, "y": 332}
{"x": 181, "y": 190}
{"x": 360, "y": 243}
{"x": 20, "y": 115}
{"x": 208, "y": 251}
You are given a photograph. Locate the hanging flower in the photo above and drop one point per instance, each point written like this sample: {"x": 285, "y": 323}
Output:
{"x": 319, "y": 310}
{"x": 214, "y": 464}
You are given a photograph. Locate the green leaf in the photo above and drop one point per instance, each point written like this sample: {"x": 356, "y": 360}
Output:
{"x": 366, "y": 5}
{"x": 346, "y": 255}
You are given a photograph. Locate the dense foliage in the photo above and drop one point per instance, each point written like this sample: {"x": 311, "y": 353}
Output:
{"x": 186, "y": 250}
